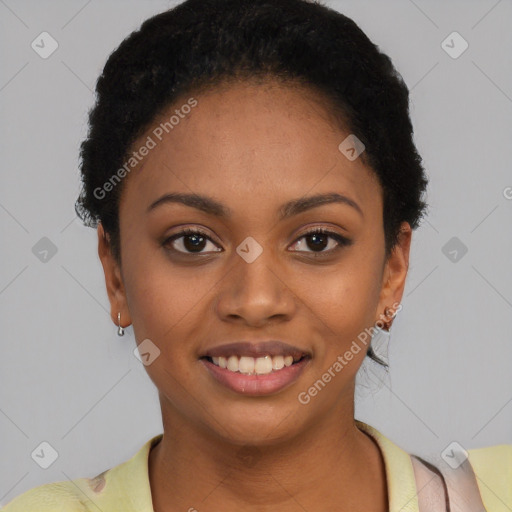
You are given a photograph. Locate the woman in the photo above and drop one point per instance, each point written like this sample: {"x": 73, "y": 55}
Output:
{"x": 251, "y": 172}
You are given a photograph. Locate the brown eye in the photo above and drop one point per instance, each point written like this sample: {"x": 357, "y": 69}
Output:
{"x": 191, "y": 241}
{"x": 317, "y": 240}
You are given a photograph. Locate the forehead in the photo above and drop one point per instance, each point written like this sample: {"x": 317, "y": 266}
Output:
{"x": 248, "y": 140}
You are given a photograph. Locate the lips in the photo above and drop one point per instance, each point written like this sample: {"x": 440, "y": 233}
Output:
{"x": 256, "y": 368}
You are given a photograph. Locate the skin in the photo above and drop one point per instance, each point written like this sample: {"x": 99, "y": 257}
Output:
{"x": 253, "y": 148}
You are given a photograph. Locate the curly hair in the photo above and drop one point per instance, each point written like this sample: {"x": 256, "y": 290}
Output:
{"x": 202, "y": 43}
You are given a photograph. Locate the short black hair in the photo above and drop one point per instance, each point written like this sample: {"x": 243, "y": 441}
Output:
{"x": 202, "y": 43}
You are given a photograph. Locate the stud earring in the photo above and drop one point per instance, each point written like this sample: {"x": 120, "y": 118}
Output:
{"x": 388, "y": 314}
{"x": 120, "y": 330}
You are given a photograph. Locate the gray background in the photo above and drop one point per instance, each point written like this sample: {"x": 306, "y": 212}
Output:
{"x": 66, "y": 377}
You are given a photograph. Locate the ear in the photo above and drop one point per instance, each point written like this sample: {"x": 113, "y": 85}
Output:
{"x": 113, "y": 279}
{"x": 394, "y": 274}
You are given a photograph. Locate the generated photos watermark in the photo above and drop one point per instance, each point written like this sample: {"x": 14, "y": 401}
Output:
{"x": 362, "y": 340}
{"x": 157, "y": 135}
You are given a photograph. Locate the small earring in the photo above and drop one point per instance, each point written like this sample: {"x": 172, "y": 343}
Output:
{"x": 120, "y": 330}
{"x": 387, "y": 312}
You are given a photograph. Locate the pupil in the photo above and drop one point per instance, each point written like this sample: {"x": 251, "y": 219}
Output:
{"x": 318, "y": 237}
{"x": 198, "y": 242}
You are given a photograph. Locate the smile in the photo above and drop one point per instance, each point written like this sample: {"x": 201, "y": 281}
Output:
{"x": 254, "y": 366}
{"x": 269, "y": 381}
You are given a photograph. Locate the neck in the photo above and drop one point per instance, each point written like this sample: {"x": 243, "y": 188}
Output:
{"x": 331, "y": 465}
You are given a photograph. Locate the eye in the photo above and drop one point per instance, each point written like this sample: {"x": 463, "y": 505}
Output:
{"x": 194, "y": 241}
{"x": 319, "y": 239}
{"x": 190, "y": 241}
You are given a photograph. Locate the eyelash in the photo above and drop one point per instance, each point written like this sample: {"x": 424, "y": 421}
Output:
{"x": 341, "y": 240}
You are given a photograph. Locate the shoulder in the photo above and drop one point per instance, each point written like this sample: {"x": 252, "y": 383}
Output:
{"x": 492, "y": 458}
{"x": 52, "y": 497}
{"x": 79, "y": 495}
{"x": 123, "y": 487}
{"x": 492, "y": 466}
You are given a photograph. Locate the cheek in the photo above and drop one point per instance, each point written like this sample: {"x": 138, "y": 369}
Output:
{"x": 164, "y": 309}
{"x": 342, "y": 302}
{"x": 162, "y": 298}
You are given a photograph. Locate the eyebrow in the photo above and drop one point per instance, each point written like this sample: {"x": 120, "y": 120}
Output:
{"x": 213, "y": 207}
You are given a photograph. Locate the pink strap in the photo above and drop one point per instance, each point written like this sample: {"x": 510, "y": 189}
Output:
{"x": 450, "y": 490}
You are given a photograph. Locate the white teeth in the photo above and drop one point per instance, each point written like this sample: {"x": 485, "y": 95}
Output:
{"x": 232, "y": 363}
{"x": 263, "y": 365}
{"x": 246, "y": 365}
{"x": 250, "y": 365}
{"x": 277, "y": 362}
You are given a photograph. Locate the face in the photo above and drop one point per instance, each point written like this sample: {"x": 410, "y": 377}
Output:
{"x": 285, "y": 245}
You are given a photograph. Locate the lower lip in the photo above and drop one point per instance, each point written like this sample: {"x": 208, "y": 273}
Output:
{"x": 257, "y": 385}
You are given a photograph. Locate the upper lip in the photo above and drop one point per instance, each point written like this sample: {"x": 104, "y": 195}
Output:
{"x": 256, "y": 349}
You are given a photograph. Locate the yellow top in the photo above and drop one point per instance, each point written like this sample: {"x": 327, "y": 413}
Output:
{"x": 126, "y": 487}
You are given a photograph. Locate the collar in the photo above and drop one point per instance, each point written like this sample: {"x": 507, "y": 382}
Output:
{"x": 129, "y": 483}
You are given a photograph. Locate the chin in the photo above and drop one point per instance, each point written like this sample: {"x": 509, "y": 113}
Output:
{"x": 253, "y": 426}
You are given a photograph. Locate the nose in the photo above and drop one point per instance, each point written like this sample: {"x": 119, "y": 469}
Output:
{"x": 256, "y": 293}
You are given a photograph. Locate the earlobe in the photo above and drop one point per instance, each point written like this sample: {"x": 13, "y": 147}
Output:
{"x": 113, "y": 279}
